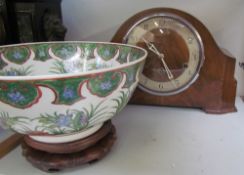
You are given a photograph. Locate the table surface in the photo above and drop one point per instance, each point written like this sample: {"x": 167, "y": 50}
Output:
{"x": 162, "y": 140}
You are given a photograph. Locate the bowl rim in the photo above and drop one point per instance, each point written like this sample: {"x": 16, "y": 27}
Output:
{"x": 77, "y": 74}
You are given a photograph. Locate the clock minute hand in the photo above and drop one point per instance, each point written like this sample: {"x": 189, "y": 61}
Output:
{"x": 169, "y": 74}
{"x": 161, "y": 56}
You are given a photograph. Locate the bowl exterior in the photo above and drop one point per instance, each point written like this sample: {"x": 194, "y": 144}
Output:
{"x": 64, "y": 105}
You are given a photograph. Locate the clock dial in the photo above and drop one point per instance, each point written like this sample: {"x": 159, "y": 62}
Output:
{"x": 175, "y": 53}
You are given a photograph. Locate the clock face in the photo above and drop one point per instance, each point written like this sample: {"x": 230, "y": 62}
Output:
{"x": 175, "y": 53}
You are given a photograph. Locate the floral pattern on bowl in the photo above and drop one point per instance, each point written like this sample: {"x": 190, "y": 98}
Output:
{"x": 65, "y": 87}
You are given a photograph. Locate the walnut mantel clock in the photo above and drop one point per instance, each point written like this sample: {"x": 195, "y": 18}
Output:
{"x": 185, "y": 67}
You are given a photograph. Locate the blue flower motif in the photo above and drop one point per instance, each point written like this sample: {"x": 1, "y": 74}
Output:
{"x": 11, "y": 73}
{"x": 17, "y": 55}
{"x": 63, "y": 120}
{"x": 68, "y": 93}
{"x": 16, "y": 96}
{"x": 106, "y": 53}
{"x": 83, "y": 119}
{"x": 106, "y": 85}
{"x": 65, "y": 52}
{"x": 123, "y": 56}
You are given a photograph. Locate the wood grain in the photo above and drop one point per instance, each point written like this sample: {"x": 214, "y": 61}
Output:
{"x": 53, "y": 162}
{"x": 9, "y": 144}
{"x": 70, "y": 147}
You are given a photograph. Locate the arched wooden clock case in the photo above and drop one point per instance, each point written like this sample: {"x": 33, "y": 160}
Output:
{"x": 213, "y": 91}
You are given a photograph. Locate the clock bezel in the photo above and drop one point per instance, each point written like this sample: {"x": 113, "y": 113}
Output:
{"x": 193, "y": 30}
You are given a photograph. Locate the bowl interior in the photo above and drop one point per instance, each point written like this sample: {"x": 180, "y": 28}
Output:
{"x": 42, "y": 59}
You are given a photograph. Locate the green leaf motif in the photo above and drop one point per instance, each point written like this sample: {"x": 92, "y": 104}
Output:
{"x": 60, "y": 123}
{"x": 16, "y": 121}
{"x": 121, "y": 101}
{"x": 19, "y": 94}
{"x": 135, "y": 54}
{"x": 107, "y": 52}
{"x": 96, "y": 112}
{"x": 104, "y": 84}
{"x": 64, "y": 51}
{"x": 41, "y": 52}
{"x": 17, "y": 54}
{"x": 58, "y": 68}
{"x": 67, "y": 91}
{"x": 16, "y": 72}
{"x": 131, "y": 73}
{"x": 79, "y": 121}
{"x": 88, "y": 50}
{"x": 123, "y": 54}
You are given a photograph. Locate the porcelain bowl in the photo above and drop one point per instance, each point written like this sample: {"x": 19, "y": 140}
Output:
{"x": 58, "y": 92}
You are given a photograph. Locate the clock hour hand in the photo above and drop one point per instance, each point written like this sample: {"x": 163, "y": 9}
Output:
{"x": 161, "y": 56}
{"x": 151, "y": 47}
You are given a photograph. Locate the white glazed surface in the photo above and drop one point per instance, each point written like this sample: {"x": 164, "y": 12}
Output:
{"x": 102, "y": 108}
{"x": 68, "y": 137}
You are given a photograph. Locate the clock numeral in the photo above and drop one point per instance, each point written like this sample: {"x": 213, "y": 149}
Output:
{"x": 189, "y": 72}
{"x": 177, "y": 82}
{"x": 145, "y": 26}
{"x": 190, "y": 40}
{"x": 160, "y": 85}
{"x": 169, "y": 22}
{"x": 185, "y": 65}
{"x": 194, "y": 56}
{"x": 161, "y": 22}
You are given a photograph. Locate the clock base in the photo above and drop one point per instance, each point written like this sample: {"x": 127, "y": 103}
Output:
{"x": 210, "y": 96}
{"x": 220, "y": 110}
{"x": 214, "y": 95}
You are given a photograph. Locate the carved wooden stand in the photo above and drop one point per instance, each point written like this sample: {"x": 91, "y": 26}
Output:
{"x": 56, "y": 157}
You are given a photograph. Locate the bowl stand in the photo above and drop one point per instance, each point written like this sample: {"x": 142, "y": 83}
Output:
{"x": 56, "y": 157}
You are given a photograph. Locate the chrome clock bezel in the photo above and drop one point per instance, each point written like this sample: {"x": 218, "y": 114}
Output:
{"x": 201, "y": 52}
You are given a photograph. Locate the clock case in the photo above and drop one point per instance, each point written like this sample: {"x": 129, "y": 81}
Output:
{"x": 215, "y": 89}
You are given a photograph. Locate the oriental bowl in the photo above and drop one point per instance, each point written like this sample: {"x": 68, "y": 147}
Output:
{"x": 59, "y": 92}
